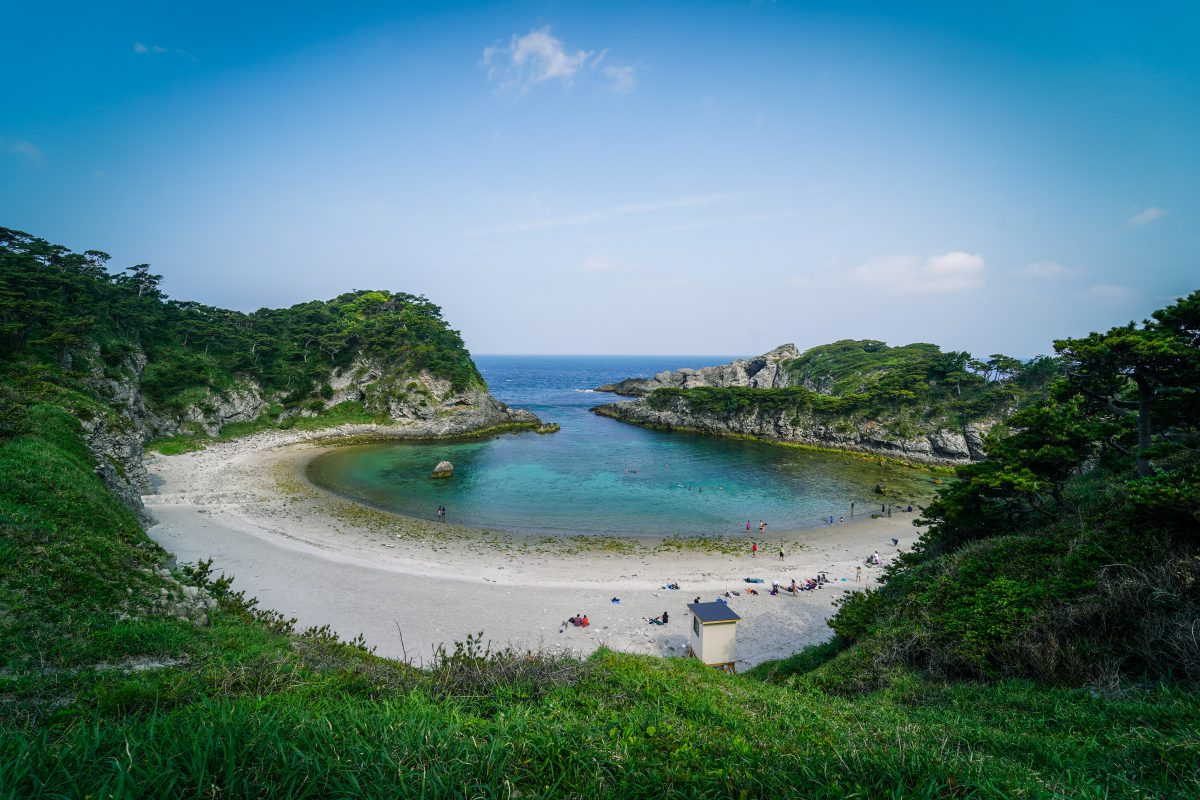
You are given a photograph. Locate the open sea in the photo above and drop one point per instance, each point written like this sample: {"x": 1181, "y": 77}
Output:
{"x": 598, "y": 475}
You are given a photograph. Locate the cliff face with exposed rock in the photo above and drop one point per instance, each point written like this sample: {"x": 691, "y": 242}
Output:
{"x": 761, "y": 372}
{"x": 855, "y": 396}
{"x": 416, "y": 405}
{"x": 939, "y": 446}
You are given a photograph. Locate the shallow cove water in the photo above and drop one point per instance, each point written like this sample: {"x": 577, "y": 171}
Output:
{"x": 597, "y": 475}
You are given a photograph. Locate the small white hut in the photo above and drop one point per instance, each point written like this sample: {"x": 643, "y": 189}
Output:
{"x": 714, "y": 634}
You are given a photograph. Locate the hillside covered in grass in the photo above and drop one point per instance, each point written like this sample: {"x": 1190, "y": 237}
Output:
{"x": 106, "y": 691}
{"x": 1038, "y": 643}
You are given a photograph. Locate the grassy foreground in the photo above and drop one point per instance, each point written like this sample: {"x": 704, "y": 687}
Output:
{"x": 106, "y": 693}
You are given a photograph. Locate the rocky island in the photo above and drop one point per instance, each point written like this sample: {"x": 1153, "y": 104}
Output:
{"x": 914, "y": 403}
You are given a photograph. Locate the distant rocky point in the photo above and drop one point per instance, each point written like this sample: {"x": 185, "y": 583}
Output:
{"x": 914, "y": 403}
{"x": 760, "y": 372}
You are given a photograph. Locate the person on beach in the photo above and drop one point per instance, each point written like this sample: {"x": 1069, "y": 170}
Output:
{"x": 781, "y": 554}
{"x": 762, "y": 527}
{"x": 857, "y": 574}
{"x": 747, "y": 526}
{"x": 852, "y": 508}
{"x": 754, "y": 549}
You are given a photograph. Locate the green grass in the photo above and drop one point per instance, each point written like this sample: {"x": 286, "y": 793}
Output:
{"x": 621, "y": 726}
{"x": 104, "y": 695}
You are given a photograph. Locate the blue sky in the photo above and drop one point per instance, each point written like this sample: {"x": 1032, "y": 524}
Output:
{"x": 627, "y": 178}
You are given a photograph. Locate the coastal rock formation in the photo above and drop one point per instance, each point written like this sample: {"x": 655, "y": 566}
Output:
{"x": 914, "y": 402}
{"x": 418, "y": 405}
{"x": 940, "y": 446}
{"x": 444, "y": 469}
{"x": 761, "y": 372}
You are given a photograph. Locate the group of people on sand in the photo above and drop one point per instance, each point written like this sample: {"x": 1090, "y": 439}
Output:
{"x": 809, "y": 585}
{"x": 580, "y": 620}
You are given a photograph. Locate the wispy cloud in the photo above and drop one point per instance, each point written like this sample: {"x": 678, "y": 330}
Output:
{"x": 597, "y": 263}
{"x": 143, "y": 49}
{"x": 1047, "y": 270}
{"x": 599, "y": 215}
{"x": 541, "y": 57}
{"x": 22, "y": 148}
{"x": 705, "y": 224}
{"x": 622, "y": 79}
{"x": 955, "y": 271}
{"x": 1147, "y": 215}
{"x": 1108, "y": 290}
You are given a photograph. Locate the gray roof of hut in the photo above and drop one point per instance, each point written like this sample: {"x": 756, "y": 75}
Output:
{"x": 713, "y": 612}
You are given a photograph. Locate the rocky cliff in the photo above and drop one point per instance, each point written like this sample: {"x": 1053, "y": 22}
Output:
{"x": 417, "y": 405}
{"x": 906, "y": 402}
{"x": 761, "y": 372}
{"x": 945, "y": 446}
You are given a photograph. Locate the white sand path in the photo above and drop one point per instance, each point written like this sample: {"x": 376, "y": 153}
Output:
{"x": 325, "y": 560}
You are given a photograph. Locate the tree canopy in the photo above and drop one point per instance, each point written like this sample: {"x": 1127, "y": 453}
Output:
{"x": 65, "y": 308}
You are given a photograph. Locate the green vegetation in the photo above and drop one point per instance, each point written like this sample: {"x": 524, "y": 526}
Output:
{"x": 905, "y": 387}
{"x": 65, "y": 318}
{"x": 1072, "y": 554}
{"x": 1035, "y": 645}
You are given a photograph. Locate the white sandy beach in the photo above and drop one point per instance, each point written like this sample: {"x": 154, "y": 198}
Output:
{"x": 409, "y": 585}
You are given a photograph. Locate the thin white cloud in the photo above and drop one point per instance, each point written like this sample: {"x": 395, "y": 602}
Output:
{"x": 1108, "y": 290}
{"x": 23, "y": 148}
{"x": 600, "y": 215}
{"x": 143, "y": 49}
{"x": 955, "y": 271}
{"x": 1047, "y": 270}
{"x": 541, "y": 57}
{"x": 1147, "y": 215}
{"x": 597, "y": 263}
{"x": 622, "y": 79}
{"x": 705, "y": 224}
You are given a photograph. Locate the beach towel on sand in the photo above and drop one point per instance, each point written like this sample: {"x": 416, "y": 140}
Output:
{"x": 753, "y": 580}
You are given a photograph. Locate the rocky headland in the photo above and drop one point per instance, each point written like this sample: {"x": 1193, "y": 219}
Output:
{"x": 414, "y": 405}
{"x": 821, "y": 398}
{"x": 760, "y": 372}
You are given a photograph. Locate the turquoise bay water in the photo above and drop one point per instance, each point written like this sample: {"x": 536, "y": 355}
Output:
{"x": 597, "y": 475}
